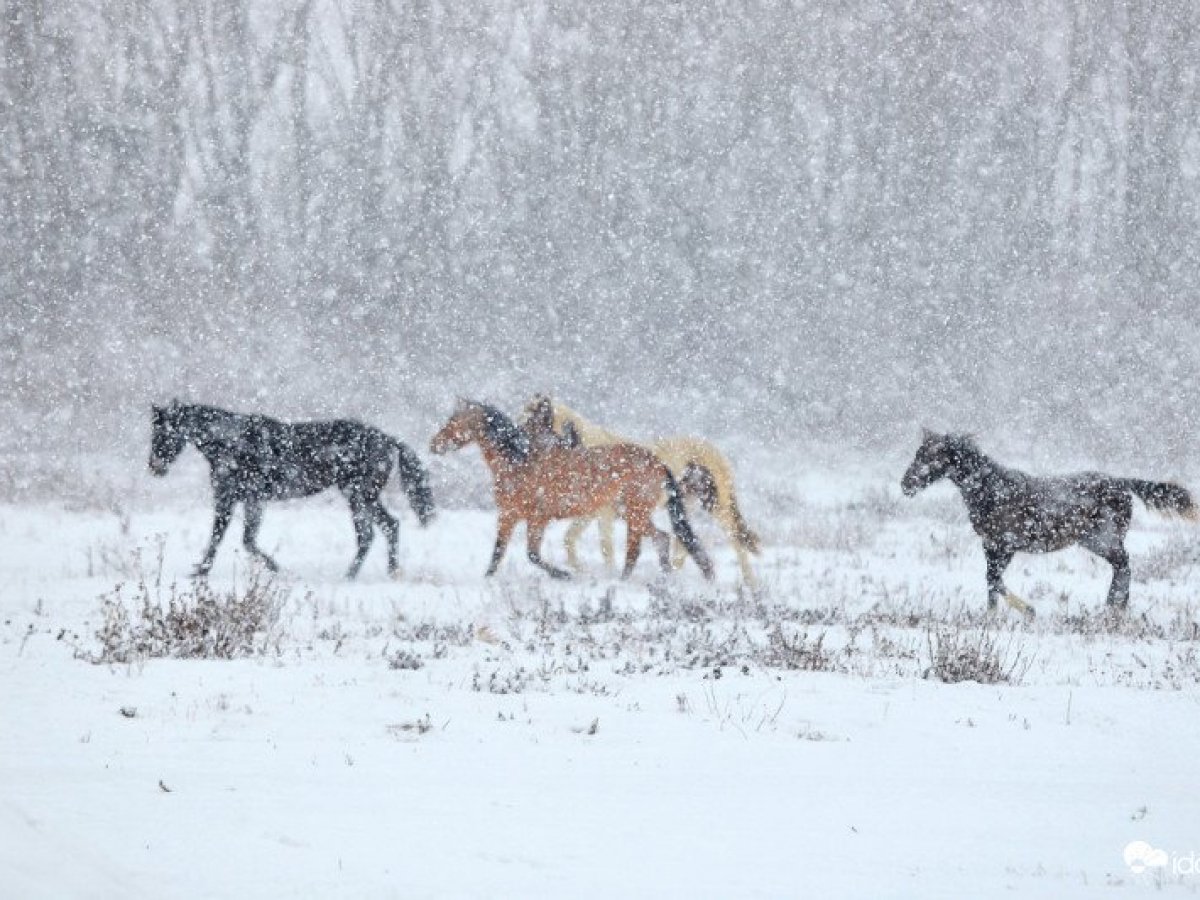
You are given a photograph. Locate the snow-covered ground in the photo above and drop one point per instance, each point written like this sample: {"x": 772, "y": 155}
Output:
{"x": 443, "y": 735}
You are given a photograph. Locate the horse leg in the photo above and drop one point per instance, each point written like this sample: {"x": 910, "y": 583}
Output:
{"x": 636, "y": 527}
{"x": 662, "y": 543}
{"x": 728, "y": 522}
{"x": 224, "y": 503}
{"x": 1114, "y": 554}
{"x": 254, "y": 511}
{"x": 998, "y": 559}
{"x": 537, "y": 527}
{"x": 364, "y": 533}
{"x": 607, "y": 518}
{"x": 743, "y": 559}
{"x": 679, "y": 552}
{"x": 1118, "y": 591}
{"x": 576, "y": 529}
{"x": 391, "y": 529}
{"x": 503, "y": 532}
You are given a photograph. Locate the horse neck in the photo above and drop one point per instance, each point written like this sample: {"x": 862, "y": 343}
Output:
{"x": 975, "y": 474}
{"x": 495, "y": 458}
{"x": 202, "y": 425}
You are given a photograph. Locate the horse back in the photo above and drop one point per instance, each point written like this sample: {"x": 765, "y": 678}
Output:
{"x": 563, "y": 482}
{"x": 1043, "y": 514}
{"x": 280, "y": 460}
{"x": 679, "y": 452}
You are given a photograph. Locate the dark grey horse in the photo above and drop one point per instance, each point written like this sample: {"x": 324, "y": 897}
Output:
{"x": 1018, "y": 513}
{"x": 254, "y": 459}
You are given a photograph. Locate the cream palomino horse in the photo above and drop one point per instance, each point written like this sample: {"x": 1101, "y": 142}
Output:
{"x": 698, "y": 466}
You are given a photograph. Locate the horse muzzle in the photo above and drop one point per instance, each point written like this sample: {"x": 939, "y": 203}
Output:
{"x": 913, "y": 482}
{"x": 443, "y": 443}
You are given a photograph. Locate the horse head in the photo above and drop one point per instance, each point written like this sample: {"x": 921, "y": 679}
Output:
{"x": 168, "y": 438}
{"x": 929, "y": 465}
{"x": 463, "y": 427}
{"x": 938, "y": 456}
{"x": 538, "y": 419}
{"x": 538, "y": 412}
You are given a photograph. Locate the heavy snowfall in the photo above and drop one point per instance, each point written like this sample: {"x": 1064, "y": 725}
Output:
{"x": 801, "y": 232}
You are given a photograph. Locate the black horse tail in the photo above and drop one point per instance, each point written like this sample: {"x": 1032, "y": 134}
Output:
{"x": 1163, "y": 497}
{"x": 681, "y": 526}
{"x": 415, "y": 481}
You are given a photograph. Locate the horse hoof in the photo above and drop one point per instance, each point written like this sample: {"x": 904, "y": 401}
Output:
{"x": 1020, "y": 605}
{"x": 751, "y": 590}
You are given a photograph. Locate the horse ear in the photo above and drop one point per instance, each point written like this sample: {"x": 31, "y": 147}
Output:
{"x": 174, "y": 403}
{"x": 927, "y": 435}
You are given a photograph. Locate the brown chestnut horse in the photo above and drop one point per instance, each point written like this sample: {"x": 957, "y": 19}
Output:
{"x": 539, "y": 482}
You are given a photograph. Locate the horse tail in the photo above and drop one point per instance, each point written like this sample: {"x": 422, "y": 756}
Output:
{"x": 415, "y": 481}
{"x": 727, "y": 509}
{"x": 682, "y": 527}
{"x": 1163, "y": 497}
{"x": 746, "y": 536}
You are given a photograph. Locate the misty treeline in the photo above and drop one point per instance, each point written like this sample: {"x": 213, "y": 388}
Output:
{"x": 788, "y": 221}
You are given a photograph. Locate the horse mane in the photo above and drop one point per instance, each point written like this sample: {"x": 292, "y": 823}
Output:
{"x": 564, "y": 414}
{"x": 537, "y": 421}
{"x": 589, "y": 433}
{"x": 965, "y": 454}
{"x": 965, "y": 447}
{"x": 193, "y": 411}
{"x": 962, "y": 444}
{"x": 508, "y": 437}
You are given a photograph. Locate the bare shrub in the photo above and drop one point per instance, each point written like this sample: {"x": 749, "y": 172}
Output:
{"x": 1173, "y": 558}
{"x": 403, "y": 660}
{"x": 959, "y": 652}
{"x": 511, "y": 681}
{"x": 194, "y": 621}
{"x": 1109, "y": 621}
{"x": 455, "y": 634}
{"x": 1180, "y": 670}
{"x": 1184, "y": 625}
{"x": 799, "y": 652}
{"x": 417, "y": 727}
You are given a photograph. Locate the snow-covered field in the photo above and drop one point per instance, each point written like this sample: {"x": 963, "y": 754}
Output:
{"x": 443, "y": 735}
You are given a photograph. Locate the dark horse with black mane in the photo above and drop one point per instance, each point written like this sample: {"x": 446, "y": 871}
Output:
{"x": 255, "y": 459}
{"x": 1018, "y": 513}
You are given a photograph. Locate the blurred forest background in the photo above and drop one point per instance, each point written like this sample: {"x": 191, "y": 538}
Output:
{"x": 799, "y": 225}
